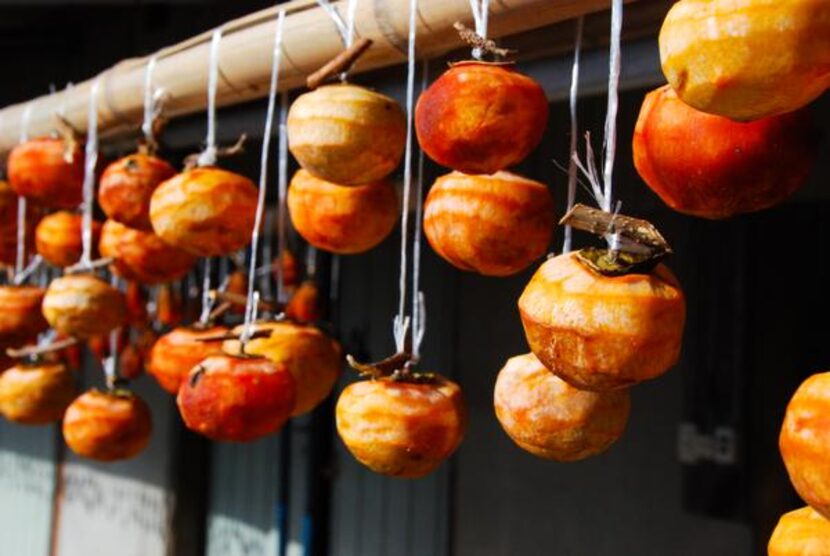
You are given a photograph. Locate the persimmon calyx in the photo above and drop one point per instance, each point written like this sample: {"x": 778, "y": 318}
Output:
{"x": 481, "y": 44}
{"x": 397, "y": 367}
{"x": 637, "y": 245}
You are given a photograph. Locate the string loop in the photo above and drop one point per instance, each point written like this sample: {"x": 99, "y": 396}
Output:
{"x": 574, "y": 96}
{"x": 401, "y": 322}
{"x": 253, "y": 296}
{"x": 481, "y": 14}
{"x": 90, "y": 163}
{"x": 208, "y": 156}
{"x": 151, "y": 96}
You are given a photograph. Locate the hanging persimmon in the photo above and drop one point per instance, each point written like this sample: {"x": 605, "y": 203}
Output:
{"x": 289, "y": 268}
{"x": 49, "y": 171}
{"x": 130, "y": 362}
{"x": 713, "y": 167}
{"x": 400, "y": 428}
{"x": 8, "y": 225}
{"x": 37, "y": 393}
{"x": 20, "y": 316}
{"x": 480, "y": 117}
{"x": 236, "y": 399}
{"x": 346, "y": 134}
{"x": 237, "y": 283}
{"x": 802, "y": 532}
{"x": 127, "y": 185}
{"x": 59, "y": 238}
{"x": 341, "y": 219}
{"x": 205, "y": 211}
{"x": 495, "y": 225}
{"x": 805, "y": 442}
{"x": 549, "y": 418}
{"x": 107, "y": 426}
{"x": 304, "y": 305}
{"x": 600, "y": 332}
{"x": 175, "y": 354}
{"x": 82, "y": 305}
{"x": 169, "y": 306}
{"x": 312, "y": 358}
{"x": 142, "y": 256}
{"x": 719, "y": 55}
{"x": 136, "y": 299}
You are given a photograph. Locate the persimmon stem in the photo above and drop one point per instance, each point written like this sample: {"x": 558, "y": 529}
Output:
{"x": 339, "y": 64}
{"x": 81, "y": 267}
{"x": 476, "y": 41}
{"x": 34, "y": 351}
{"x": 635, "y": 233}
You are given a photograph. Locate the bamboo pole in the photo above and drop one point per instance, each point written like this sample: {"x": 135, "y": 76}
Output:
{"x": 310, "y": 41}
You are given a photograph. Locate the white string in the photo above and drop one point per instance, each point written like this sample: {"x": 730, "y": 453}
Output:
{"x": 401, "y": 322}
{"x": 418, "y": 301}
{"x": 282, "y": 189}
{"x": 481, "y": 15}
{"x": 342, "y": 27}
{"x": 111, "y": 362}
{"x": 20, "y": 255}
{"x": 24, "y": 121}
{"x": 613, "y": 102}
{"x": 149, "y": 100}
{"x": 208, "y": 156}
{"x": 574, "y": 94}
{"x": 89, "y": 173}
{"x": 207, "y": 300}
{"x": 251, "y": 302}
{"x": 351, "y": 11}
{"x": 62, "y": 105}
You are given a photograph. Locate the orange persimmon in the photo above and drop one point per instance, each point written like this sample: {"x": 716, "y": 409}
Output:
{"x": 36, "y": 394}
{"x": 495, "y": 225}
{"x": 174, "y": 355}
{"x": 59, "y": 238}
{"x": 82, "y": 305}
{"x": 402, "y": 429}
{"x": 341, "y": 219}
{"x": 713, "y": 167}
{"x": 346, "y": 134}
{"x": 479, "y": 118}
{"x": 805, "y": 442}
{"x": 549, "y": 418}
{"x": 205, "y": 211}
{"x": 600, "y": 332}
{"x": 142, "y": 256}
{"x": 107, "y": 426}
{"x": 49, "y": 171}
{"x": 127, "y": 185}
{"x": 236, "y": 399}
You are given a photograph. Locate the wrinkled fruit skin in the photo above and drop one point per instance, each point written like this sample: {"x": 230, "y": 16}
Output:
{"x": 714, "y": 167}
{"x": 207, "y": 212}
{"x": 142, "y": 256}
{"x": 20, "y": 316}
{"x": 495, "y": 225}
{"x": 341, "y": 219}
{"x": 107, "y": 426}
{"x": 600, "y": 333}
{"x": 805, "y": 442}
{"x": 802, "y": 532}
{"x": 36, "y": 394}
{"x": 549, "y": 418}
{"x": 747, "y": 59}
{"x": 127, "y": 185}
{"x": 39, "y": 171}
{"x": 480, "y": 118}
{"x": 177, "y": 352}
{"x": 312, "y": 358}
{"x": 236, "y": 399}
{"x": 346, "y": 134}
{"x": 83, "y": 306}
{"x": 401, "y": 429}
{"x": 58, "y": 238}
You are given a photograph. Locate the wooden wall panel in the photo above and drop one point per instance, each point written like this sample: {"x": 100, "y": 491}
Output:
{"x": 27, "y": 483}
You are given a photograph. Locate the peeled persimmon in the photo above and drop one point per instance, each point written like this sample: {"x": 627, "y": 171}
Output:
{"x": 402, "y": 429}
{"x": 549, "y": 418}
{"x": 600, "y": 332}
